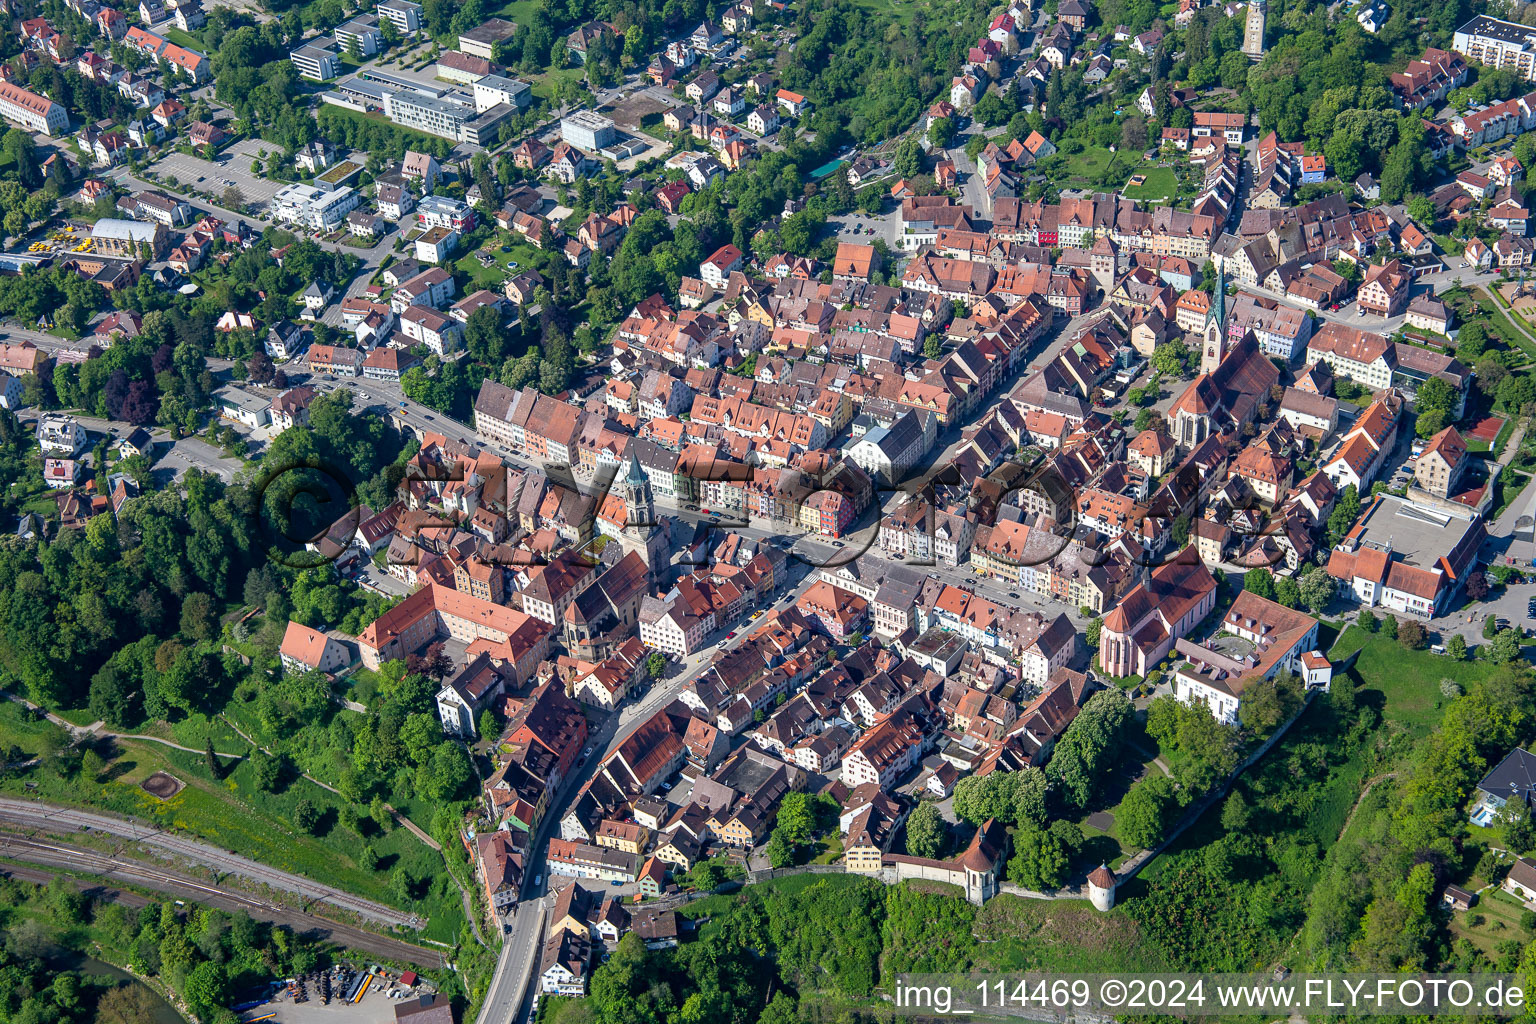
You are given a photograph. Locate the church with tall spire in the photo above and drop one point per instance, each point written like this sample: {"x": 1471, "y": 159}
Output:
{"x": 1213, "y": 336}
{"x": 642, "y": 534}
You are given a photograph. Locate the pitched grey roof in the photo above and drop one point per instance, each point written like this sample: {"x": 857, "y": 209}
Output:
{"x": 1515, "y": 776}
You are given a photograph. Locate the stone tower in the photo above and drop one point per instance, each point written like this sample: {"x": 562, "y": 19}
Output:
{"x": 1104, "y": 263}
{"x": 1253, "y": 30}
{"x": 1213, "y": 337}
{"x": 642, "y": 534}
{"x": 1101, "y": 888}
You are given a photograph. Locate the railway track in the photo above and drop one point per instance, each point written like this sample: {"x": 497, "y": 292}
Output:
{"x": 49, "y": 853}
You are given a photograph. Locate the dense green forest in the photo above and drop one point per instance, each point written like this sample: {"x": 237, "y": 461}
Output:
{"x": 175, "y": 560}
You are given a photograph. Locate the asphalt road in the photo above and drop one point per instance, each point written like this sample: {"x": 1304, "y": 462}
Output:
{"x": 70, "y": 858}
{"x": 28, "y": 814}
{"x": 510, "y": 996}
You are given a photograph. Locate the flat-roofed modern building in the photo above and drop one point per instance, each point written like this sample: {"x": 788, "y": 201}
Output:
{"x": 405, "y": 15}
{"x": 485, "y": 130}
{"x": 494, "y": 89}
{"x": 317, "y": 63}
{"x": 365, "y": 29}
{"x": 400, "y": 81}
{"x": 316, "y": 208}
{"x": 443, "y": 116}
{"x": 1499, "y": 44}
{"x": 1407, "y": 557}
{"x": 34, "y": 112}
{"x": 482, "y": 39}
{"x": 587, "y": 130}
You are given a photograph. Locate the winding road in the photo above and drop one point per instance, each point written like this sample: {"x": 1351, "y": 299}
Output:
{"x": 26, "y": 814}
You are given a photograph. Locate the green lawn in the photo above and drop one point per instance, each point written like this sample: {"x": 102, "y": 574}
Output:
{"x": 718, "y": 905}
{"x": 523, "y": 254}
{"x": 901, "y": 10}
{"x": 1503, "y": 437}
{"x": 544, "y": 85}
{"x": 1448, "y": 245}
{"x": 1407, "y": 682}
{"x": 1510, "y": 484}
{"x": 18, "y": 728}
{"x": 1015, "y": 934}
{"x": 1497, "y": 914}
{"x": 235, "y": 814}
{"x": 34, "y": 495}
{"x": 195, "y": 730}
{"x": 1161, "y": 185}
{"x": 831, "y": 851}
{"x": 181, "y": 38}
{"x": 520, "y": 11}
{"x": 1493, "y": 312}
{"x": 1090, "y": 161}
{"x": 1090, "y": 165}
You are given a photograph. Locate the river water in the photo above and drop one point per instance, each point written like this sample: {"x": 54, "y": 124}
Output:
{"x": 164, "y": 1012}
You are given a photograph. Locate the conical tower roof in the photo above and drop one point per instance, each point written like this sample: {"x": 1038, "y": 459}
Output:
{"x": 633, "y": 473}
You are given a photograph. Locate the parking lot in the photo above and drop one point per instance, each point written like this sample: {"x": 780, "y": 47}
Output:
{"x": 864, "y": 228}
{"x": 377, "y": 1004}
{"x": 65, "y": 240}
{"x": 195, "y": 453}
{"x": 231, "y": 166}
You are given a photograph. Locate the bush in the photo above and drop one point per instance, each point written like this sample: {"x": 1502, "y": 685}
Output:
{"x": 306, "y": 815}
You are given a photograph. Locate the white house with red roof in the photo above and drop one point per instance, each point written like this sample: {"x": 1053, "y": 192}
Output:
{"x": 716, "y": 270}
{"x": 309, "y": 650}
